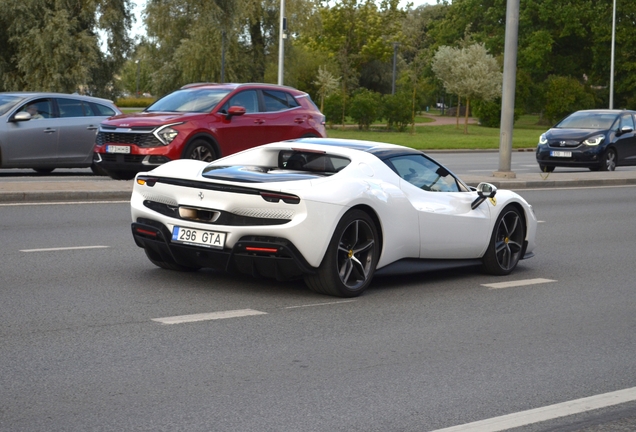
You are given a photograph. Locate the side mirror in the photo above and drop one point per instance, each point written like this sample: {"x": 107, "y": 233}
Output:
{"x": 484, "y": 191}
{"x": 624, "y": 130}
{"x": 234, "y": 111}
{"x": 21, "y": 116}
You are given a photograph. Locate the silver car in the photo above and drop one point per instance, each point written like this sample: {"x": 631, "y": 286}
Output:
{"x": 44, "y": 131}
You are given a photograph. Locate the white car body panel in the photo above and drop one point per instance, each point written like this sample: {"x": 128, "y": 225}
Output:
{"x": 412, "y": 223}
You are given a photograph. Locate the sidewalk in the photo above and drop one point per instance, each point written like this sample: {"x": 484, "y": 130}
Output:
{"x": 104, "y": 189}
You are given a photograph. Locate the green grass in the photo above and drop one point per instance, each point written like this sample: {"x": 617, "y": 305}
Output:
{"x": 525, "y": 135}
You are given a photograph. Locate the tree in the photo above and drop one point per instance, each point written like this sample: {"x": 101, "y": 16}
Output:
{"x": 469, "y": 72}
{"x": 326, "y": 84}
{"x": 54, "y": 45}
{"x": 564, "y": 96}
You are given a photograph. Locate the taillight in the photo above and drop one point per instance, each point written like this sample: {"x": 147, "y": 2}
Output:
{"x": 275, "y": 197}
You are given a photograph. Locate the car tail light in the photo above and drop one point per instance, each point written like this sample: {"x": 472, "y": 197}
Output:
{"x": 146, "y": 181}
{"x": 275, "y": 197}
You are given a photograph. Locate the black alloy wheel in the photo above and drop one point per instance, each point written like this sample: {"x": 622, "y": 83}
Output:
{"x": 349, "y": 263}
{"x": 608, "y": 161}
{"x": 506, "y": 243}
{"x": 200, "y": 149}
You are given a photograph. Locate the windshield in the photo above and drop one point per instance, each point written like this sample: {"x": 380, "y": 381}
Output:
{"x": 189, "y": 100}
{"x": 588, "y": 120}
{"x": 7, "y": 102}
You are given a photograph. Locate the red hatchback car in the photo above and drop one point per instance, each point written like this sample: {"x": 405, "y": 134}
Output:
{"x": 205, "y": 122}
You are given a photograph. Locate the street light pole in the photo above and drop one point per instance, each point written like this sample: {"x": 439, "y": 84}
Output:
{"x": 395, "y": 48}
{"x": 611, "y": 95}
{"x": 281, "y": 42}
{"x": 508, "y": 90}
{"x": 137, "y": 63}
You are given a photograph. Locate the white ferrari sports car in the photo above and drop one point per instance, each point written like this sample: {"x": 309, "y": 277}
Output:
{"x": 334, "y": 212}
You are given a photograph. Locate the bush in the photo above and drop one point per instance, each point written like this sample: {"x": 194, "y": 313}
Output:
{"x": 397, "y": 109}
{"x": 134, "y": 102}
{"x": 565, "y": 95}
{"x": 365, "y": 107}
{"x": 489, "y": 113}
{"x": 333, "y": 109}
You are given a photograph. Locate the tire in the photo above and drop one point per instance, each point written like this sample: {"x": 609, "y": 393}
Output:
{"x": 121, "y": 175}
{"x": 97, "y": 170}
{"x": 608, "y": 161}
{"x": 506, "y": 243}
{"x": 349, "y": 263}
{"x": 200, "y": 149}
{"x": 43, "y": 171}
{"x": 546, "y": 168}
{"x": 167, "y": 264}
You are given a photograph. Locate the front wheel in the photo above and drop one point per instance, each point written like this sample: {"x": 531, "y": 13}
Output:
{"x": 349, "y": 263}
{"x": 608, "y": 161}
{"x": 506, "y": 243}
{"x": 546, "y": 168}
{"x": 200, "y": 149}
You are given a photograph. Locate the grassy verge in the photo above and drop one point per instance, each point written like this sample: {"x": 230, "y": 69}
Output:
{"x": 525, "y": 135}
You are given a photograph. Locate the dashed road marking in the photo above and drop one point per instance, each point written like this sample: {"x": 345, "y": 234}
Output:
{"x": 546, "y": 413}
{"x": 319, "y": 304}
{"x": 512, "y": 284}
{"x": 65, "y": 248}
{"x": 208, "y": 316}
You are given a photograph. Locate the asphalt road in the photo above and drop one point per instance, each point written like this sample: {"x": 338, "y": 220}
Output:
{"x": 81, "y": 350}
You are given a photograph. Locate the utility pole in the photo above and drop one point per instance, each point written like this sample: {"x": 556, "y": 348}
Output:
{"x": 281, "y": 42}
{"x": 508, "y": 90}
{"x": 611, "y": 95}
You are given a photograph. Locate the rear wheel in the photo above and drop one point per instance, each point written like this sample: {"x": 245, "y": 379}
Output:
{"x": 349, "y": 263}
{"x": 506, "y": 243}
{"x": 608, "y": 161}
{"x": 200, "y": 149}
{"x": 167, "y": 263}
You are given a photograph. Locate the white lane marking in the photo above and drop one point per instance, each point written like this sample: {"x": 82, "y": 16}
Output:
{"x": 320, "y": 304}
{"x": 511, "y": 284}
{"x": 549, "y": 412}
{"x": 62, "y": 203}
{"x": 208, "y": 316}
{"x": 64, "y": 248}
{"x": 570, "y": 188}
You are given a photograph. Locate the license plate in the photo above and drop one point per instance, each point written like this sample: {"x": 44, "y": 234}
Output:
{"x": 198, "y": 237}
{"x": 561, "y": 154}
{"x": 117, "y": 149}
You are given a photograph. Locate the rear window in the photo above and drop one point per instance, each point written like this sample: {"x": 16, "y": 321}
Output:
{"x": 311, "y": 161}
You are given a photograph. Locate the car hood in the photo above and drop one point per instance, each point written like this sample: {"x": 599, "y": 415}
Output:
{"x": 148, "y": 119}
{"x": 573, "y": 134}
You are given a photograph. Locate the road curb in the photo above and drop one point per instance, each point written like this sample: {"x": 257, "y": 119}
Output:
{"x": 62, "y": 196}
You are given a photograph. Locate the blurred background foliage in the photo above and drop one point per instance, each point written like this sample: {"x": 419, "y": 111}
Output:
{"x": 85, "y": 46}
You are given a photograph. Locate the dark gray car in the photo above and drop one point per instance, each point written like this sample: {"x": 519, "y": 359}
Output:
{"x": 45, "y": 131}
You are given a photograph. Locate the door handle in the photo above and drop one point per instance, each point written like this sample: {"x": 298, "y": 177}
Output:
{"x": 299, "y": 120}
{"x": 259, "y": 121}
{"x": 49, "y": 130}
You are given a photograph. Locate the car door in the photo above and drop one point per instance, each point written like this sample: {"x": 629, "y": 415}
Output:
{"x": 78, "y": 128}
{"x": 448, "y": 227}
{"x": 626, "y": 143}
{"x": 284, "y": 117}
{"x": 32, "y": 143}
{"x": 245, "y": 131}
